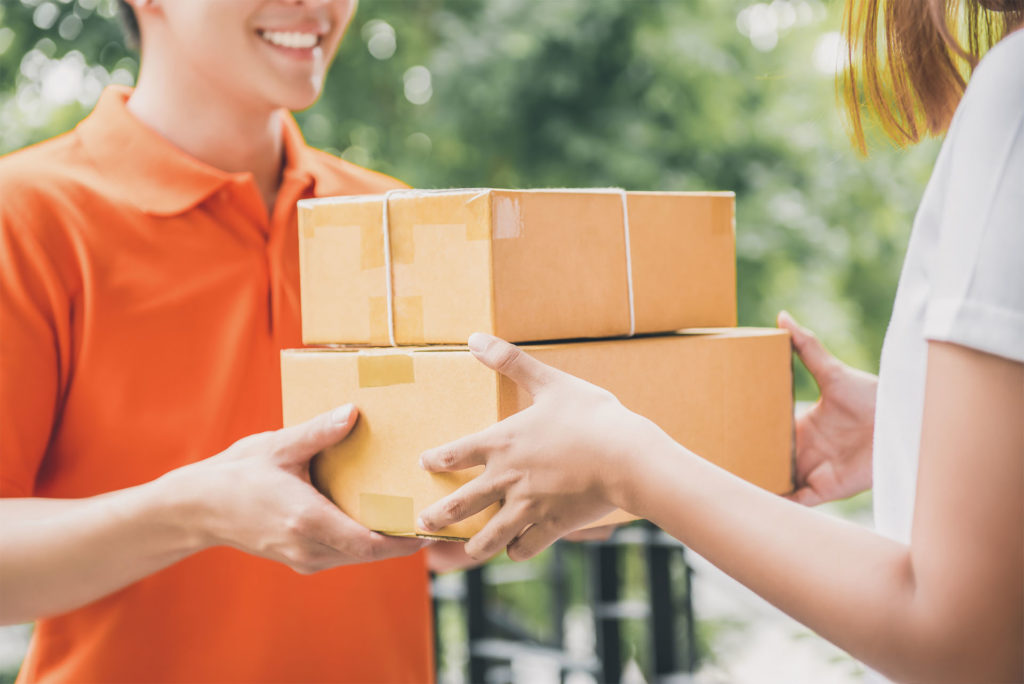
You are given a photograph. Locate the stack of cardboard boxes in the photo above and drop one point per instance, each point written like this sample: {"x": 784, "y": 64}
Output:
{"x": 410, "y": 275}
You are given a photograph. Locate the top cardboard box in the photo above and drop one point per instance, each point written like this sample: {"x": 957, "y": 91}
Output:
{"x": 526, "y": 265}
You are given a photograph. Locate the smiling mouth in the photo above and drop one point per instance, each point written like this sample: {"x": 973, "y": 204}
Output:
{"x": 293, "y": 40}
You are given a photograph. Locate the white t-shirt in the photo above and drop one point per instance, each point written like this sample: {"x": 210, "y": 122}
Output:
{"x": 963, "y": 277}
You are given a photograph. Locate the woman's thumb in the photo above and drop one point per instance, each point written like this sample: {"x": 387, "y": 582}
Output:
{"x": 510, "y": 361}
{"x": 809, "y": 348}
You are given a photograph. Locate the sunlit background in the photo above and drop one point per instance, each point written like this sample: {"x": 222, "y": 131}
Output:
{"x": 643, "y": 94}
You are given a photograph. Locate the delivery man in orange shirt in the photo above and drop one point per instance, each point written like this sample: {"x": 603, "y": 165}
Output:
{"x": 155, "y": 522}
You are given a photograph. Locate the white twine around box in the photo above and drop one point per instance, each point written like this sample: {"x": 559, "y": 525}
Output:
{"x": 385, "y": 225}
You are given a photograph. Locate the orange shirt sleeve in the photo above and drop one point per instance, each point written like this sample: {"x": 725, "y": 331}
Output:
{"x": 35, "y": 333}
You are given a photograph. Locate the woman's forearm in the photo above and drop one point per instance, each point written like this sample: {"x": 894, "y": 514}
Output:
{"x": 852, "y": 586}
{"x": 949, "y": 607}
{"x": 59, "y": 554}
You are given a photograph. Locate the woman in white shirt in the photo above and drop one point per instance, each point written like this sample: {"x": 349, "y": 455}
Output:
{"x": 938, "y": 593}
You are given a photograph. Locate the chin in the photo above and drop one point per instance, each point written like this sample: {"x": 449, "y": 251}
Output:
{"x": 299, "y": 103}
{"x": 295, "y": 99}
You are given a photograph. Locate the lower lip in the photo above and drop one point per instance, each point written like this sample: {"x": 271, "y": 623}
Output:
{"x": 299, "y": 54}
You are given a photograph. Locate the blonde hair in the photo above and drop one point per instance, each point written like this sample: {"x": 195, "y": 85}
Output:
{"x": 909, "y": 60}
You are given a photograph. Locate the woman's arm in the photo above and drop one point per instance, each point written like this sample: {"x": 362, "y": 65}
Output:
{"x": 950, "y": 607}
{"x": 59, "y": 554}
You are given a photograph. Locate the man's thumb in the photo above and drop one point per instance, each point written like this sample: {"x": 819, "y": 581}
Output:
{"x": 304, "y": 440}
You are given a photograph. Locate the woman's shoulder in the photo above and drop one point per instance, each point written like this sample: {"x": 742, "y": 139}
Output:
{"x": 994, "y": 99}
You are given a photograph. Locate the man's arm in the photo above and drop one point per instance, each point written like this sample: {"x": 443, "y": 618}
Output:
{"x": 57, "y": 555}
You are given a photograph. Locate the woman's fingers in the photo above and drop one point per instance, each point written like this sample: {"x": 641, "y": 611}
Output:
{"x": 510, "y": 361}
{"x": 602, "y": 533}
{"x": 805, "y": 496}
{"x": 467, "y": 500}
{"x": 463, "y": 453}
{"x": 534, "y": 540}
{"x": 809, "y": 348}
{"x": 499, "y": 531}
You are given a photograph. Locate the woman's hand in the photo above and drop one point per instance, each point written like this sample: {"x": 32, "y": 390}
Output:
{"x": 557, "y": 465}
{"x": 834, "y": 437}
{"x": 257, "y": 497}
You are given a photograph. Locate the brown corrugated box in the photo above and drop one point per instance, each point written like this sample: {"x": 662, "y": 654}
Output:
{"x": 725, "y": 394}
{"x": 526, "y": 265}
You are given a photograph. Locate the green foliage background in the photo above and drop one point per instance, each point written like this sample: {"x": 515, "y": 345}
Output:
{"x": 644, "y": 94}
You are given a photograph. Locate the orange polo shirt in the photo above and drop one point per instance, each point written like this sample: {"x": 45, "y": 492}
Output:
{"x": 144, "y": 299}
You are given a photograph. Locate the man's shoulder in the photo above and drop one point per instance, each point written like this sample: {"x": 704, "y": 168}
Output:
{"x": 49, "y": 190}
{"x": 45, "y": 175}
{"x": 336, "y": 176}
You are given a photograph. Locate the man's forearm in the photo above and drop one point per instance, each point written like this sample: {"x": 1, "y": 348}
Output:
{"x": 59, "y": 554}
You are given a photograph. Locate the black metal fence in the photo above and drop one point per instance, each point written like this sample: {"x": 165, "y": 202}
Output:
{"x": 633, "y": 589}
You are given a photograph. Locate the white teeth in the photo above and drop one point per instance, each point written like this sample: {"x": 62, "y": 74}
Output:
{"x": 291, "y": 39}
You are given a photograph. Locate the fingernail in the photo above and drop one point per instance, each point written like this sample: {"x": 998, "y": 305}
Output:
{"x": 342, "y": 414}
{"x": 421, "y": 523}
{"x": 422, "y": 464}
{"x": 478, "y": 342}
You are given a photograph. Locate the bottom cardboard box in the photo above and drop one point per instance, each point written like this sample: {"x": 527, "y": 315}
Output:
{"x": 726, "y": 394}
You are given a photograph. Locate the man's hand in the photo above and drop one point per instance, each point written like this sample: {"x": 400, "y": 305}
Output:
{"x": 257, "y": 497}
{"x": 834, "y": 437}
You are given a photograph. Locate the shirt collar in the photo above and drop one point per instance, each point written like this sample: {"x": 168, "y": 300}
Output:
{"x": 159, "y": 178}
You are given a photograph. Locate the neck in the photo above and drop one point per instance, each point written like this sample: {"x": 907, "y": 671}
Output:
{"x": 229, "y": 135}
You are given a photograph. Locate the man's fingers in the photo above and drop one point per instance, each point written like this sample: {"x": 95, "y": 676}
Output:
{"x": 332, "y": 528}
{"x": 304, "y": 440}
{"x": 532, "y": 541}
{"x": 463, "y": 453}
{"x": 467, "y": 500}
{"x": 809, "y": 348}
{"x": 382, "y": 546}
{"x": 510, "y": 361}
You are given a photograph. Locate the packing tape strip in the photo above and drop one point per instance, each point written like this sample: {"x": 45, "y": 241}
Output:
{"x": 389, "y": 269}
{"x": 385, "y": 225}
{"x": 621, "y": 192}
{"x": 382, "y": 370}
{"x": 387, "y": 513}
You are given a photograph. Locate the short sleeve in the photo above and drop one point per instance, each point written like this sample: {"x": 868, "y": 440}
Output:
{"x": 977, "y": 273}
{"x": 34, "y": 337}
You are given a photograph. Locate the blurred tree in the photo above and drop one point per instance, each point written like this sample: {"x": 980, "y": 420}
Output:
{"x": 643, "y": 94}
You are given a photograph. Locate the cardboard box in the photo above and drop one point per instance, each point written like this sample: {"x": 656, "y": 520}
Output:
{"x": 726, "y": 394}
{"x": 526, "y": 265}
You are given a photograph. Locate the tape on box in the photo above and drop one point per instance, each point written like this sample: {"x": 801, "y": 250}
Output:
{"x": 384, "y": 370}
{"x": 386, "y": 513}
